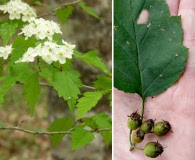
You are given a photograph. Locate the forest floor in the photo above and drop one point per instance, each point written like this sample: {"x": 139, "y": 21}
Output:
{"x": 16, "y": 145}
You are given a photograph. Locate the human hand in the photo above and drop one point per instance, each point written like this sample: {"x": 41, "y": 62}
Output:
{"x": 175, "y": 105}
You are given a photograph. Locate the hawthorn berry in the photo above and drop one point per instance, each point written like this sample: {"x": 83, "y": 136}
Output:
{"x": 147, "y": 125}
{"x": 153, "y": 149}
{"x": 138, "y": 136}
{"x": 134, "y": 121}
{"x": 161, "y": 128}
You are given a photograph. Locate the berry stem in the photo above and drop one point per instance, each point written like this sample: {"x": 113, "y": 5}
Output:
{"x": 132, "y": 145}
{"x": 139, "y": 148}
{"x": 143, "y": 105}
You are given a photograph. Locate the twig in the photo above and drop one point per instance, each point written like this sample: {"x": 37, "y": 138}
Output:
{"x": 47, "y": 85}
{"x": 48, "y": 133}
{"x": 60, "y": 7}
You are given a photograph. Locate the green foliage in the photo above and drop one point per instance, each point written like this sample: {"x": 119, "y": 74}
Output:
{"x": 88, "y": 10}
{"x": 64, "y": 13}
{"x": 61, "y": 124}
{"x": 103, "y": 82}
{"x": 31, "y": 91}
{"x": 20, "y": 46}
{"x": 3, "y": 1}
{"x": 8, "y": 82}
{"x": 100, "y": 121}
{"x": 87, "y": 102}
{"x": 67, "y": 85}
{"x": 21, "y": 71}
{"x": 149, "y": 58}
{"x": 92, "y": 59}
{"x": 7, "y": 30}
{"x": 39, "y": 3}
{"x": 80, "y": 137}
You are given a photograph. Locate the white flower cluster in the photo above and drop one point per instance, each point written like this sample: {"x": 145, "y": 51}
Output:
{"x": 18, "y": 9}
{"x": 41, "y": 29}
{"x": 5, "y": 51}
{"x": 49, "y": 52}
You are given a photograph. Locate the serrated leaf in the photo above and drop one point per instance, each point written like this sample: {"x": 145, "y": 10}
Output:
{"x": 64, "y": 13}
{"x": 66, "y": 86}
{"x": 41, "y": 4}
{"x": 103, "y": 82}
{"x": 92, "y": 59}
{"x": 20, "y": 46}
{"x": 6, "y": 84}
{"x": 71, "y": 104}
{"x": 148, "y": 58}
{"x": 7, "y": 30}
{"x": 87, "y": 102}
{"x": 61, "y": 124}
{"x": 80, "y": 137}
{"x": 31, "y": 91}
{"x": 88, "y": 10}
{"x": 100, "y": 121}
{"x": 21, "y": 71}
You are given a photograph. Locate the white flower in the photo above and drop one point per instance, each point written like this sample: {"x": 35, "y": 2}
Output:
{"x": 18, "y": 9}
{"x": 41, "y": 29}
{"x": 5, "y": 51}
{"x": 50, "y": 52}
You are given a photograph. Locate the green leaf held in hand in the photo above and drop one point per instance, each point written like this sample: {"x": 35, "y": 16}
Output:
{"x": 148, "y": 58}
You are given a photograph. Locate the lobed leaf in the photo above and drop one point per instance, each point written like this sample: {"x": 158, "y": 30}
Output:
{"x": 7, "y": 30}
{"x": 103, "y": 82}
{"x": 64, "y": 13}
{"x": 88, "y": 10}
{"x": 148, "y": 58}
{"x": 80, "y": 137}
{"x": 87, "y": 102}
{"x": 31, "y": 91}
{"x": 92, "y": 59}
{"x": 61, "y": 124}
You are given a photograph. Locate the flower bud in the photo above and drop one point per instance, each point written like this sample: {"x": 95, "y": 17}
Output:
{"x": 153, "y": 149}
{"x": 161, "y": 128}
{"x": 134, "y": 121}
{"x": 138, "y": 136}
{"x": 147, "y": 125}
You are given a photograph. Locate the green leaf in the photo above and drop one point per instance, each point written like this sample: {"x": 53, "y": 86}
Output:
{"x": 103, "y": 82}
{"x": 110, "y": 98}
{"x": 92, "y": 59}
{"x": 80, "y": 137}
{"x": 3, "y": 1}
{"x": 20, "y": 46}
{"x": 148, "y": 58}
{"x": 21, "y": 71}
{"x": 6, "y": 84}
{"x": 7, "y": 30}
{"x": 64, "y": 13}
{"x": 61, "y": 124}
{"x": 41, "y": 4}
{"x": 88, "y": 10}
{"x": 71, "y": 104}
{"x": 31, "y": 91}
{"x": 65, "y": 85}
{"x": 100, "y": 121}
{"x": 87, "y": 102}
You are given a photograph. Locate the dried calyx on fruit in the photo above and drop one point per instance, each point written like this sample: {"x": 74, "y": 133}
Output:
{"x": 161, "y": 128}
{"x": 153, "y": 149}
{"x": 147, "y": 126}
{"x": 138, "y": 136}
{"x": 134, "y": 121}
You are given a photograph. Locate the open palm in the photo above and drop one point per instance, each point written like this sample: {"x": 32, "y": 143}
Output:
{"x": 176, "y": 104}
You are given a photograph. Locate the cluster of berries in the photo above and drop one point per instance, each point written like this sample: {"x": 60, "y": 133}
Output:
{"x": 151, "y": 149}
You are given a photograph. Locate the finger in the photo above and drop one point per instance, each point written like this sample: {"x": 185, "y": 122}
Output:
{"x": 187, "y": 12}
{"x": 173, "y": 6}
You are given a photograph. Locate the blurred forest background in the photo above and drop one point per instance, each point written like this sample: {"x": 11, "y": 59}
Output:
{"x": 88, "y": 33}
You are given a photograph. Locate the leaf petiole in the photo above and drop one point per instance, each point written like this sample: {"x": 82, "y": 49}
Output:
{"x": 132, "y": 145}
